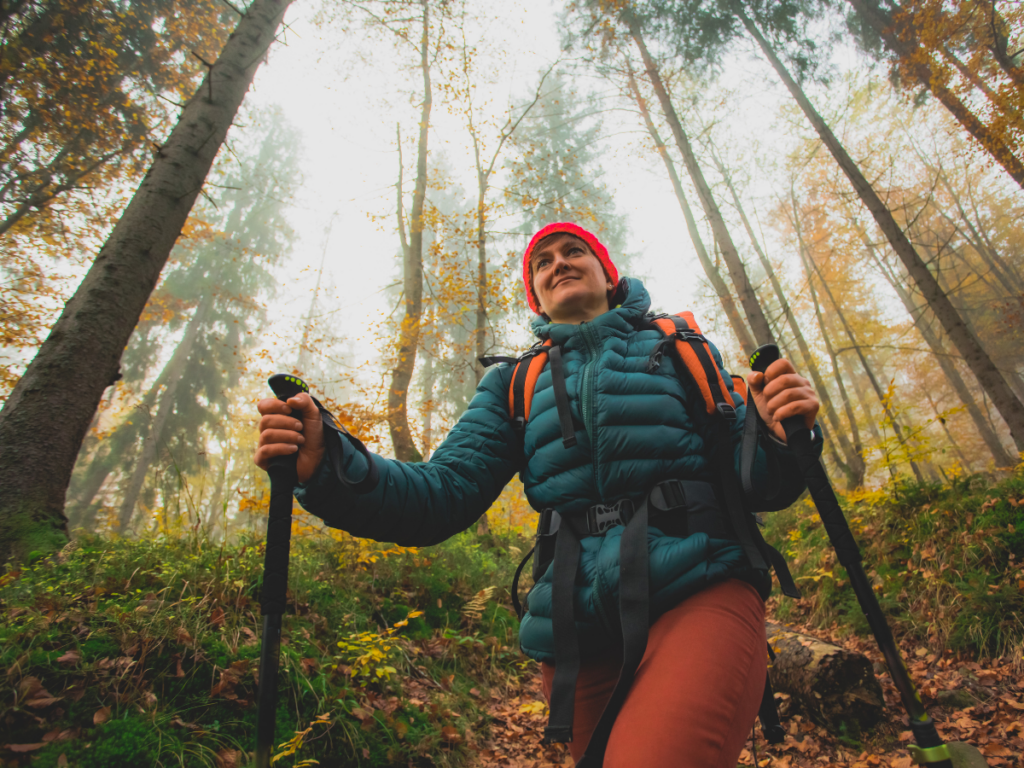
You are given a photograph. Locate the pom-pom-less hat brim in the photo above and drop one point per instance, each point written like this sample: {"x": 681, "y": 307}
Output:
{"x": 572, "y": 229}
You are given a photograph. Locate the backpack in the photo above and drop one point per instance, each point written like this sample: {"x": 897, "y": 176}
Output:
{"x": 558, "y": 538}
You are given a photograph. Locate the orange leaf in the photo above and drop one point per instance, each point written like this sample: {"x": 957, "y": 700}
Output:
{"x": 217, "y": 616}
{"x": 101, "y": 716}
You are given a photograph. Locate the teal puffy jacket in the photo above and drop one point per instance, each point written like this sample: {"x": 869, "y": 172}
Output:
{"x": 633, "y": 429}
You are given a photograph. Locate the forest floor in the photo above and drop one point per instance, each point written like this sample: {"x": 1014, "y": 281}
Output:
{"x": 130, "y": 653}
{"x": 981, "y": 704}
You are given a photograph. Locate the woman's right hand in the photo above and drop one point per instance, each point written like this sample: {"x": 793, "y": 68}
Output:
{"x": 289, "y": 427}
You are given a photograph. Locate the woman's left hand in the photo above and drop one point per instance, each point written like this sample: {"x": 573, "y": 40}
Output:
{"x": 780, "y": 392}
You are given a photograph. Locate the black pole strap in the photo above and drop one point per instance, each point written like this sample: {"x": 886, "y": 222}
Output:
{"x": 567, "y": 647}
{"x": 515, "y": 583}
{"x": 634, "y": 614}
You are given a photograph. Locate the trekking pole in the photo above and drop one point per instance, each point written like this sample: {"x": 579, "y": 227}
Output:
{"x": 283, "y": 479}
{"x": 930, "y": 749}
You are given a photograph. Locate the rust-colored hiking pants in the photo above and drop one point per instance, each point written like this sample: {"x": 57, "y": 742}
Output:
{"x": 696, "y": 692}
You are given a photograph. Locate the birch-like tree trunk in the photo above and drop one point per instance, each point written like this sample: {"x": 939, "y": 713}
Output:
{"x": 45, "y": 418}
{"x": 1010, "y": 407}
{"x": 412, "y": 271}
{"x": 744, "y": 289}
{"x": 732, "y": 313}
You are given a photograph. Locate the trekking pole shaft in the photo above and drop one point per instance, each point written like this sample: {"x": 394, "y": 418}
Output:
{"x": 281, "y": 470}
{"x": 798, "y": 437}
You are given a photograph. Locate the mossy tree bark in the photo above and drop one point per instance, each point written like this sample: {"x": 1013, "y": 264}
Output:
{"x": 46, "y": 417}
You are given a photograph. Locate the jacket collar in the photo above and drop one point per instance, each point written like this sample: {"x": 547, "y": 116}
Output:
{"x": 636, "y": 302}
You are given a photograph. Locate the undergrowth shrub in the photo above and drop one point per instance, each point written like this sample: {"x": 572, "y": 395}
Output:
{"x": 946, "y": 561}
{"x": 146, "y": 652}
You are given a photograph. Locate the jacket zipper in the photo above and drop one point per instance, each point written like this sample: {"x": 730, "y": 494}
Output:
{"x": 587, "y": 404}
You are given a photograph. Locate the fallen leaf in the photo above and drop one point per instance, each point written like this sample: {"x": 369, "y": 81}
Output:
{"x": 62, "y": 761}
{"x": 450, "y": 735}
{"x": 101, "y": 716}
{"x": 71, "y": 657}
{"x": 217, "y": 616}
{"x": 24, "y": 747}
{"x": 227, "y": 758}
{"x": 995, "y": 749}
{"x": 183, "y": 636}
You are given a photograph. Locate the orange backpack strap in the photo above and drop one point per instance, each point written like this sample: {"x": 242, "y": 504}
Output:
{"x": 739, "y": 385}
{"x": 693, "y": 350}
{"x": 524, "y": 380}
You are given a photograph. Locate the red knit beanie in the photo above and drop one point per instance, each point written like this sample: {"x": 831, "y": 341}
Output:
{"x": 595, "y": 245}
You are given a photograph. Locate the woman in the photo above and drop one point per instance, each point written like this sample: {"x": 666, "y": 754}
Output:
{"x": 636, "y": 423}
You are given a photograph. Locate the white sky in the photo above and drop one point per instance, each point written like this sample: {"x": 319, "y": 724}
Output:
{"x": 346, "y": 110}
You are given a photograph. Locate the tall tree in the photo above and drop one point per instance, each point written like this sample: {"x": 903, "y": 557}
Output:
{"x": 485, "y": 162}
{"x": 739, "y": 327}
{"x": 1007, "y": 403}
{"x": 932, "y": 339}
{"x": 556, "y": 172}
{"x": 811, "y": 270}
{"x": 45, "y": 418}
{"x": 744, "y": 288}
{"x": 901, "y": 39}
{"x": 412, "y": 252}
{"x": 225, "y": 276}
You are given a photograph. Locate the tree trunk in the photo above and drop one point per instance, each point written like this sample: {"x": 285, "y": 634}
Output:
{"x": 739, "y": 327}
{"x": 977, "y": 82}
{"x": 999, "y": 29}
{"x": 152, "y": 433}
{"x": 409, "y": 333}
{"x": 967, "y": 344}
{"x": 748, "y": 298}
{"x": 995, "y": 445}
{"x": 481, "y": 275}
{"x": 857, "y": 382}
{"x": 854, "y": 467}
{"x": 836, "y": 688}
{"x": 108, "y": 454}
{"x": 905, "y": 45}
{"x": 45, "y": 418}
{"x": 809, "y": 265}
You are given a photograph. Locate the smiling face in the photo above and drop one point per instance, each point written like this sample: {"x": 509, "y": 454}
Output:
{"x": 568, "y": 279}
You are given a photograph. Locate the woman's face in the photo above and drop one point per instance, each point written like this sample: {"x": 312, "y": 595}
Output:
{"x": 568, "y": 280}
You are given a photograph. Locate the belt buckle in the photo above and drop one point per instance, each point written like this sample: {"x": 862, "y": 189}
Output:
{"x": 601, "y": 517}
